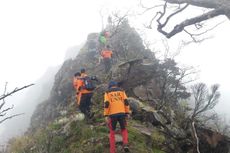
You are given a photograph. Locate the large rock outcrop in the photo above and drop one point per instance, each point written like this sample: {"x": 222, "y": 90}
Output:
{"x": 140, "y": 74}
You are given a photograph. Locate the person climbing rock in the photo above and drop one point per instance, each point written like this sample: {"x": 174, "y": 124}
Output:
{"x": 76, "y": 81}
{"x": 107, "y": 58}
{"x": 86, "y": 88}
{"x": 116, "y": 109}
{"x": 103, "y": 38}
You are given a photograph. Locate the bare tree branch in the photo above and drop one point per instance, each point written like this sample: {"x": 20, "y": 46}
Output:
{"x": 14, "y": 91}
{"x": 9, "y": 117}
{"x": 215, "y": 8}
{"x": 204, "y": 3}
{"x": 170, "y": 16}
{"x": 148, "y": 8}
{"x": 117, "y": 22}
{"x": 180, "y": 27}
{"x": 195, "y": 35}
{"x": 3, "y": 112}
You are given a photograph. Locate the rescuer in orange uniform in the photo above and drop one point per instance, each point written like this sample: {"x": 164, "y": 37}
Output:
{"x": 107, "y": 58}
{"x": 116, "y": 109}
{"x": 76, "y": 81}
{"x": 85, "y": 95}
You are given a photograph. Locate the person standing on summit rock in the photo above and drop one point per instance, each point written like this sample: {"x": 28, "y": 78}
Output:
{"x": 116, "y": 109}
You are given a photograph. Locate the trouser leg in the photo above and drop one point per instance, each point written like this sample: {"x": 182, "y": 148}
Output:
{"x": 88, "y": 104}
{"x": 85, "y": 104}
{"x": 112, "y": 135}
{"x": 124, "y": 134}
{"x": 82, "y": 105}
{"x": 107, "y": 64}
{"x": 124, "y": 131}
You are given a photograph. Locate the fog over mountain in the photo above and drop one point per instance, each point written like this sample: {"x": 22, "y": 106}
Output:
{"x": 26, "y": 102}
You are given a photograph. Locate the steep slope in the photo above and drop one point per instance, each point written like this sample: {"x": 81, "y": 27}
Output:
{"x": 57, "y": 125}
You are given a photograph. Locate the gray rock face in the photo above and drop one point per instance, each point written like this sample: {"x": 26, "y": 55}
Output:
{"x": 134, "y": 73}
{"x": 62, "y": 90}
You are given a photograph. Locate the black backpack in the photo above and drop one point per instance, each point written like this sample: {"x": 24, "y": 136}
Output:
{"x": 88, "y": 83}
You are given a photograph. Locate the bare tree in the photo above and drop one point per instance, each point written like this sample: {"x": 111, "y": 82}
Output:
{"x": 115, "y": 20}
{"x": 204, "y": 101}
{"x": 3, "y": 111}
{"x": 173, "y": 78}
{"x": 168, "y": 12}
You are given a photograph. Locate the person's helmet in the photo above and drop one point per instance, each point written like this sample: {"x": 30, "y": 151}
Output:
{"x": 77, "y": 74}
{"x": 82, "y": 70}
{"x": 112, "y": 84}
{"x": 107, "y": 46}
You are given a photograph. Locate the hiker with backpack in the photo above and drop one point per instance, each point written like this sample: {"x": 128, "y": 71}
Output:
{"x": 76, "y": 81}
{"x": 116, "y": 109}
{"x": 107, "y": 58}
{"x": 86, "y": 87}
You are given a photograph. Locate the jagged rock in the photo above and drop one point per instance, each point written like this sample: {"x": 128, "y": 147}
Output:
{"x": 148, "y": 92}
{"x": 143, "y": 129}
{"x": 128, "y": 44}
{"x": 133, "y": 74}
{"x": 212, "y": 141}
{"x": 135, "y": 104}
{"x": 146, "y": 112}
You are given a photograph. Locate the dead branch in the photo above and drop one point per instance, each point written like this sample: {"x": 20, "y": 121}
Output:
{"x": 162, "y": 25}
{"x": 3, "y": 112}
{"x": 203, "y": 3}
{"x": 9, "y": 117}
{"x": 195, "y": 35}
{"x": 148, "y": 8}
{"x": 117, "y": 22}
{"x": 180, "y": 27}
{"x": 14, "y": 91}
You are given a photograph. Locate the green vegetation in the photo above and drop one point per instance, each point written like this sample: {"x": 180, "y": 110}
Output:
{"x": 80, "y": 137}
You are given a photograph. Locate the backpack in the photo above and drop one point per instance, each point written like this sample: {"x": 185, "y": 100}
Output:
{"x": 88, "y": 83}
